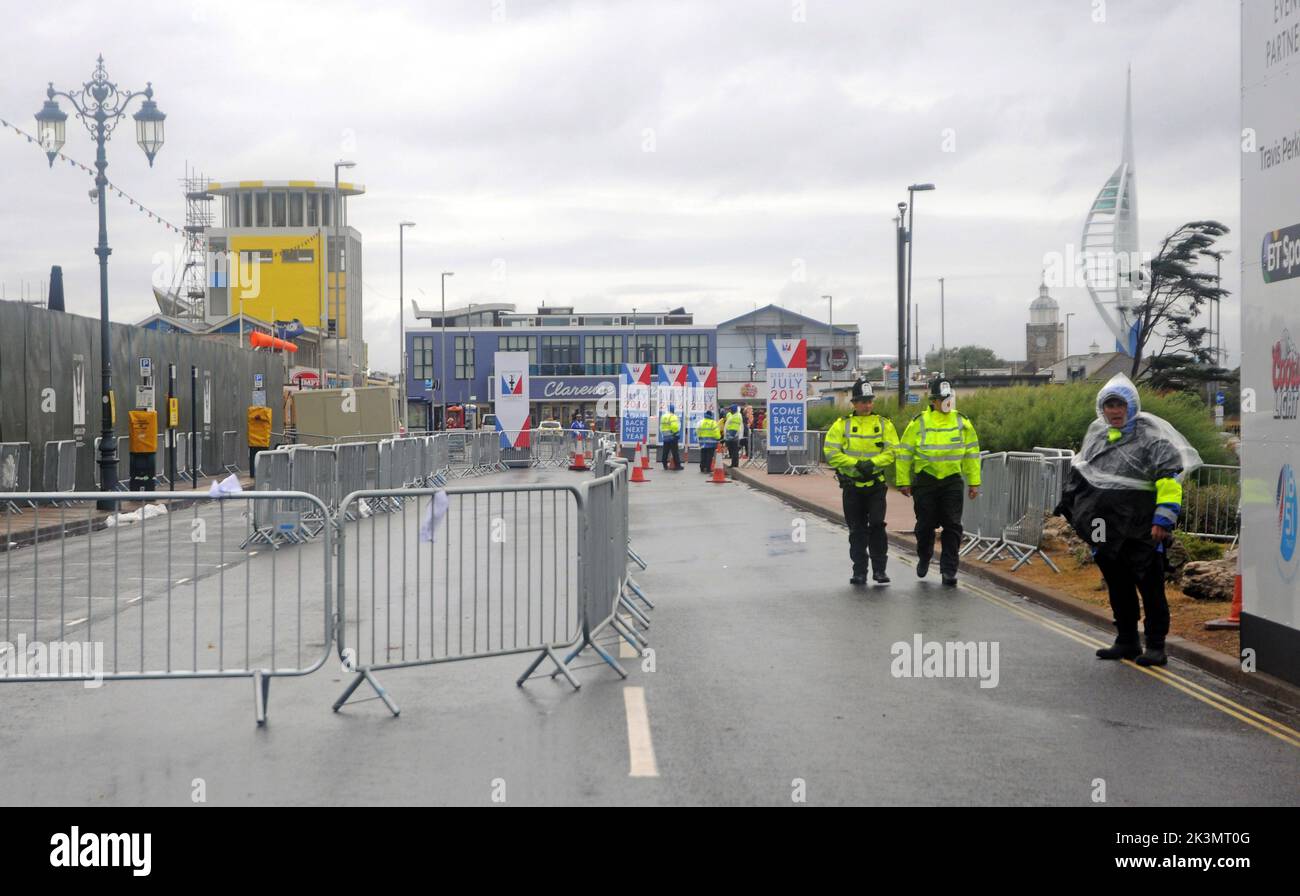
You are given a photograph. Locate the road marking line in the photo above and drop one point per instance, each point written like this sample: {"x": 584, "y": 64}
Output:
{"x": 641, "y": 751}
{"x": 1220, "y": 702}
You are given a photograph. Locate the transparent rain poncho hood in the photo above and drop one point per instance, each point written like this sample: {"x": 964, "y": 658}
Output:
{"x": 1149, "y": 449}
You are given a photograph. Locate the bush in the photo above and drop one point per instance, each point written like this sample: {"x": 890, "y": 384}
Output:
{"x": 1021, "y": 418}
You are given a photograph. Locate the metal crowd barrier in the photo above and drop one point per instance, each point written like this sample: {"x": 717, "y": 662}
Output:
{"x": 525, "y": 569}
{"x": 274, "y": 522}
{"x": 985, "y": 518}
{"x": 15, "y": 470}
{"x": 59, "y": 473}
{"x": 1058, "y": 461}
{"x": 803, "y": 451}
{"x": 1030, "y": 477}
{"x": 231, "y": 452}
{"x": 143, "y": 594}
{"x": 533, "y": 568}
{"x": 1212, "y": 503}
{"x": 757, "y": 449}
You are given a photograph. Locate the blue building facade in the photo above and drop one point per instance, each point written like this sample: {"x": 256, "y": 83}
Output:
{"x": 574, "y": 358}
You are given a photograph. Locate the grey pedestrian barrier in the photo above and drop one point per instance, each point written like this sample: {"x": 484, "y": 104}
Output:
{"x": 165, "y": 592}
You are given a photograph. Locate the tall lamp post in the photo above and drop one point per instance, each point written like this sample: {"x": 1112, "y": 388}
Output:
{"x": 338, "y": 268}
{"x": 1068, "y": 315}
{"x": 830, "y": 332}
{"x": 900, "y": 241}
{"x": 401, "y": 315}
{"x": 442, "y": 349}
{"x": 100, "y": 104}
{"x": 911, "y": 213}
{"x": 943, "y": 333}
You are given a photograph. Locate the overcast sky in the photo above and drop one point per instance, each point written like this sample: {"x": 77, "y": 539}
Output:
{"x": 610, "y": 155}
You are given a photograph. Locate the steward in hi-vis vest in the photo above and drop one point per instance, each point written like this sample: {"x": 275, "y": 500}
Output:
{"x": 708, "y": 433}
{"x": 669, "y": 434}
{"x": 860, "y": 448}
{"x": 938, "y": 448}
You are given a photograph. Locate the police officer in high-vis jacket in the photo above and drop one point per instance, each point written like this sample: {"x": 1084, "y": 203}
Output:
{"x": 860, "y": 448}
{"x": 938, "y": 448}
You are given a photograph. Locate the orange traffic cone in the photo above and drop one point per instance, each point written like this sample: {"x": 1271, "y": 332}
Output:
{"x": 719, "y": 475}
{"x": 645, "y": 456}
{"x": 1233, "y": 621}
{"x": 638, "y": 475}
{"x": 579, "y": 461}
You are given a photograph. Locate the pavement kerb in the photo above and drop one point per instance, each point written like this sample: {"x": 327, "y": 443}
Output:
{"x": 1217, "y": 664}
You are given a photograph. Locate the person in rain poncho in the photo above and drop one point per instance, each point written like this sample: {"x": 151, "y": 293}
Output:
{"x": 1123, "y": 497}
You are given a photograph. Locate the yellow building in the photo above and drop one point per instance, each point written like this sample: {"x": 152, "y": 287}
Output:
{"x": 265, "y": 260}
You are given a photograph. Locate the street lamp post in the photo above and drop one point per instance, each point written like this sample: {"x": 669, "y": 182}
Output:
{"x": 338, "y": 268}
{"x": 830, "y": 333}
{"x": 401, "y": 315}
{"x": 900, "y": 239}
{"x": 442, "y": 349}
{"x": 943, "y": 333}
{"x": 911, "y": 213}
{"x": 1068, "y": 315}
{"x": 100, "y": 104}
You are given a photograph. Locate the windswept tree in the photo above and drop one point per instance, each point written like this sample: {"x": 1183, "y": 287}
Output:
{"x": 1176, "y": 291}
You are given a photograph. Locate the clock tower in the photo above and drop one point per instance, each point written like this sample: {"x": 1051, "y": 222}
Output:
{"x": 1044, "y": 334}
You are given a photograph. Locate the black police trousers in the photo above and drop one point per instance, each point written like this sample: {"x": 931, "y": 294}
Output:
{"x": 864, "y": 514}
{"x": 1136, "y": 568}
{"x": 938, "y": 503}
{"x": 667, "y": 450}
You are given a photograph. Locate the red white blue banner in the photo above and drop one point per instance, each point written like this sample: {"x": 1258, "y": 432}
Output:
{"x": 787, "y": 393}
{"x": 701, "y": 396}
{"x": 634, "y": 404}
{"x": 510, "y": 369}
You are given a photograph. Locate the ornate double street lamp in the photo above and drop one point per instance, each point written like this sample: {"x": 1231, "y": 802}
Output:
{"x": 101, "y": 104}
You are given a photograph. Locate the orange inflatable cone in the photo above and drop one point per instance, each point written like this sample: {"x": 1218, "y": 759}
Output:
{"x": 638, "y": 475}
{"x": 579, "y": 461}
{"x": 719, "y": 475}
{"x": 1233, "y": 621}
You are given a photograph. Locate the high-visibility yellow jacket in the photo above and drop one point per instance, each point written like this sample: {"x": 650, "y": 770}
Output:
{"x": 852, "y": 440}
{"x": 708, "y": 432}
{"x": 668, "y": 423}
{"x": 733, "y": 425}
{"x": 940, "y": 444}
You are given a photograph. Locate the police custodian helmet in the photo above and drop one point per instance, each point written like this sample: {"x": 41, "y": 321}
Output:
{"x": 862, "y": 391}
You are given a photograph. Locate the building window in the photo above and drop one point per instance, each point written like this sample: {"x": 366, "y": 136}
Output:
{"x": 295, "y": 209}
{"x": 279, "y": 209}
{"x": 603, "y": 354}
{"x": 245, "y": 209}
{"x": 464, "y": 357}
{"x": 298, "y": 256}
{"x": 650, "y": 350}
{"x": 313, "y": 210}
{"x": 519, "y": 344}
{"x": 325, "y": 206}
{"x": 263, "y": 202}
{"x": 422, "y": 358}
{"x": 689, "y": 349}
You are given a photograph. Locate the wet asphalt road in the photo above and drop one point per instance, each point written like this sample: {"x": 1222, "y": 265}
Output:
{"x": 771, "y": 680}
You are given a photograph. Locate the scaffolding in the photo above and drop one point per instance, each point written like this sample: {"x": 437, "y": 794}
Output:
{"x": 193, "y": 291}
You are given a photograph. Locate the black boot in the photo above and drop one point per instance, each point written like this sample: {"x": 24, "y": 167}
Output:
{"x": 878, "y": 572}
{"x": 858, "y": 579}
{"x": 950, "y": 581}
{"x": 922, "y": 566}
{"x": 1155, "y": 654}
{"x": 1126, "y": 647}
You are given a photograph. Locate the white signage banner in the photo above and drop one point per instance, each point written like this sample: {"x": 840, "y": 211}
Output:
{"x": 511, "y": 372}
